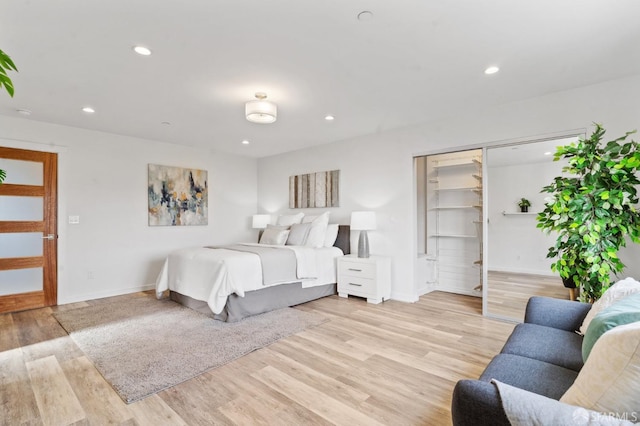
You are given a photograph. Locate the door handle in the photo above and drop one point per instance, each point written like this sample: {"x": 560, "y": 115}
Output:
{"x": 49, "y": 237}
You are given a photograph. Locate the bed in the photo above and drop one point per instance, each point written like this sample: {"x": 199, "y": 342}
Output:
{"x": 229, "y": 283}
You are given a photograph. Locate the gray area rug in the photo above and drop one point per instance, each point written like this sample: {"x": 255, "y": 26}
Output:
{"x": 143, "y": 345}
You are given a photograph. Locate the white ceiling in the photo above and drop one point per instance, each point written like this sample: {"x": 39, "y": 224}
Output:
{"x": 415, "y": 61}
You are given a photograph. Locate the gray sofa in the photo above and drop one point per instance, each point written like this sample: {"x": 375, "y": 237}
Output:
{"x": 543, "y": 355}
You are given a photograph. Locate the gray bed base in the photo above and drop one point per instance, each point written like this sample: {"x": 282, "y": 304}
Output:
{"x": 267, "y": 299}
{"x": 258, "y": 301}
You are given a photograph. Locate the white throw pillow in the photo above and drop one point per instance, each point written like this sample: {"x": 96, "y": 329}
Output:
{"x": 331, "y": 235}
{"x": 619, "y": 290}
{"x": 289, "y": 219}
{"x": 298, "y": 234}
{"x": 274, "y": 236}
{"x": 609, "y": 380}
{"x": 318, "y": 230}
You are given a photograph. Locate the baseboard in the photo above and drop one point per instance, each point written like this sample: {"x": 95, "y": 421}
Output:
{"x": 543, "y": 272}
{"x": 102, "y": 294}
{"x": 461, "y": 291}
{"x": 403, "y": 297}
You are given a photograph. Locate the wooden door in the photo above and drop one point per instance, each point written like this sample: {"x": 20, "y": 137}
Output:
{"x": 28, "y": 230}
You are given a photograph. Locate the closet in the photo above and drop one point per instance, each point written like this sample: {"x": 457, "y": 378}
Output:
{"x": 450, "y": 222}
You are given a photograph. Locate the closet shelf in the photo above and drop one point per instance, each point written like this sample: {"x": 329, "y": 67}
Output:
{"x": 504, "y": 213}
{"x": 462, "y": 188}
{"x": 474, "y": 162}
{"x": 452, "y": 236}
{"x": 455, "y": 207}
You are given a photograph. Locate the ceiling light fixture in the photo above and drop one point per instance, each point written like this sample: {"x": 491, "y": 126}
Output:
{"x": 547, "y": 153}
{"x": 23, "y": 111}
{"x": 329, "y": 117}
{"x": 261, "y": 111}
{"x": 88, "y": 110}
{"x": 245, "y": 142}
{"x": 141, "y": 50}
{"x": 491, "y": 70}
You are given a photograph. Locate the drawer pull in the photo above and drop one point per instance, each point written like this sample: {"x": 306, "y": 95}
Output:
{"x": 357, "y": 285}
{"x": 355, "y": 270}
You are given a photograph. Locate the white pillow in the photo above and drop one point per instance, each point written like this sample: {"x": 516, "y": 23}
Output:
{"x": 289, "y": 219}
{"x": 274, "y": 236}
{"x": 619, "y": 290}
{"x": 331, "y": 235}
{"x": 608, "y": 381}
{"x": 298, "y": 234}
{"x": 318, "y": 229}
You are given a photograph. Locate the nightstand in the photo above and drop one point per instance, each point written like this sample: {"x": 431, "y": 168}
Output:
{"x": 365, "y": 277}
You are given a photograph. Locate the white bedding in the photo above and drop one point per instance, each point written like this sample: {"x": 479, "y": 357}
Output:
{"x": 211, "y": 275}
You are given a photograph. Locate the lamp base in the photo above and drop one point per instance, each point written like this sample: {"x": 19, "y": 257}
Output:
{"x": 363, "y": 245}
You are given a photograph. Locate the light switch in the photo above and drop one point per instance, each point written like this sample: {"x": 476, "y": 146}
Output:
{"x": 73, "y": 220}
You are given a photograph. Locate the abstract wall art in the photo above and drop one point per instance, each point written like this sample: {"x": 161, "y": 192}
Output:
{"x": 177, "y": 196}
{"x": 319, "y": 189}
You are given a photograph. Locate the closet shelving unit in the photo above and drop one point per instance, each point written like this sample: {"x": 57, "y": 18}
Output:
{"x": 455, "y": 229}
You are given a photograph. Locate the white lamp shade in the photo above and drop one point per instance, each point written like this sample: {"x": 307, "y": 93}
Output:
{"x": 260, "y": 221}
{"x": 363, "y": 221}
{"x": 261, "y": 111}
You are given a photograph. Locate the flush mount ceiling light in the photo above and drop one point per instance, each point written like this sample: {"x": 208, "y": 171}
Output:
{"x": 23, "y": 111}
{"x": 245, "y": 142}
{"x": 141, "y": 50}
{"x": 261, "y": 111}
{"x": 491, "y": 70}
{"x": 329, "y": 117}
{"x": 88, "y": 110}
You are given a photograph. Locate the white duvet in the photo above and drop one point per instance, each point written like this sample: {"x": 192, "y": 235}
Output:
{"x": 211, "y": 275}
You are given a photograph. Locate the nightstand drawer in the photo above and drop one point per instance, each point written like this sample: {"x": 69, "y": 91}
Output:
{"x": 358, "y": 269}
{"x": 357, "y": 286}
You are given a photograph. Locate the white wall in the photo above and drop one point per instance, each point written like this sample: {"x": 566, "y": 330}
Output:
{"x": 377, "y": 170}
{"x": 103, "y": 179}
{"x": 515, "y": 244}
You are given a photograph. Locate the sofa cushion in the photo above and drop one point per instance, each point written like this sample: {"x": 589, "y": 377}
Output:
{"x": 617, "y": 291}
{"x": 530, "y": 374}
{"x": 608, "y": 382}
{"x": 622, "y": 312}
{"x": 559, "y": 347}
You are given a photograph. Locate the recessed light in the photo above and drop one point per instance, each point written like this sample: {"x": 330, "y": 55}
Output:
{"x": 166, "y": 123}
{"x": 141, "y": 50}
{"x": 23, "y": 111}
{"x": 491, "y": 70}
{"x": 547, "y": 153}
{"x": 329, "y": 117}
{"x": 88, "y": 110}
{"x": 245, "y": 142}
{"x": 365, "y": 15}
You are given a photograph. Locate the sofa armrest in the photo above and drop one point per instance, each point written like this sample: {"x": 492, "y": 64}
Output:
{"x": 476, "y": 402}
{"x": 556, "y": 313}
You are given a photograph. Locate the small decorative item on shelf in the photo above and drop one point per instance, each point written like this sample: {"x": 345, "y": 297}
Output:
{"x": 524, "y": 205}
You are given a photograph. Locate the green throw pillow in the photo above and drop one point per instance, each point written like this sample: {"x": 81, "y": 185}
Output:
{"x": 622, "y": 312}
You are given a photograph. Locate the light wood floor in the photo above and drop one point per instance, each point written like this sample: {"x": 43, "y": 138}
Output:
{"x": 392, "y": 364}
{"x": 508, "y": 293}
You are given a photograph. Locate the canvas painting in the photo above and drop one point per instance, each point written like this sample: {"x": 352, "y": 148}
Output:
{"x": 177, "y": 196}
{"x": 314, "y": 190}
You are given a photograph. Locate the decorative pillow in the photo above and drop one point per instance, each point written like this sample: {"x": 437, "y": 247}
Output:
{"x": 331, "y": 235}
{"x": 290, "y": 219}
{"x": 608, "y": 381}
{"x": 622, "y": 312}
{"x": 318, "y": 229}
{"x": 619, "y": 290}
{"x": 298, "y": 234}
{"x": 274, "y": 236}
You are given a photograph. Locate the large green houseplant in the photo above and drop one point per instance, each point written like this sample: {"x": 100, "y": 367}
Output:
{"x": 6, "y": 64}
{"x": 592, "y": 209}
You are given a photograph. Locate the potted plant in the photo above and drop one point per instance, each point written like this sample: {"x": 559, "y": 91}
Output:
{"x": 591, "y": 208}
{"x": 6, "y": 64}
{"x": 524, "y": 205}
